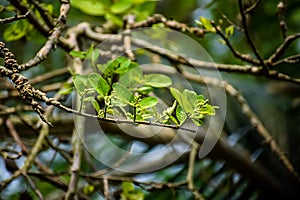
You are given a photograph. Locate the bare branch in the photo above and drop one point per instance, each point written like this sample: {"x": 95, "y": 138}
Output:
{"x": 247, "y": 34}
{"x": 281, "y": 8}
{"x": 52, "y": 40}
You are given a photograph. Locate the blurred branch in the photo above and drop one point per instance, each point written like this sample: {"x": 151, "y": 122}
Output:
{"x": 32, "y": 18}
{"x": 190, "y": 174}
{"x": 172, "y": 24}
{"x": 281, "y": 8}
{"x": 52, "y": 40}
{"x": 282, "y": 47}
{"x": 15, "y": 18}
{"x": 44, "y": 13}
{"x": 247, "y": 34}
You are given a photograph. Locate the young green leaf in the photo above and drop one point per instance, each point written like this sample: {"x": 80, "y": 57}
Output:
{"x": 148, "y": 102}
{"x": 17, "y": 30}
{"x": 132, "y": 77}
{"x": 78, "y": 54}
{"x": 121, "y": 95}
{"x": 157, "y": 80}
{"x": 121, "y": 6}
{"x": 99, "y": 84}
{"x": 91, "y": 7}
{"x": 177, "y": 95}
{"x": 114, "y": 18}
{"x": 207, "y": 24}
{"x": 229, "y": 31}
{"x": 144, "y": 90}
{"x": 80, "y": 82}
{"x": 96, "y": 105}
{"x": 123, "y": 65}
{"x": 180, "y": 115}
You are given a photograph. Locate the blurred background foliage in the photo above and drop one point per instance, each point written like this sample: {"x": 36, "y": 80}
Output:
{"x": 276, "y": 103}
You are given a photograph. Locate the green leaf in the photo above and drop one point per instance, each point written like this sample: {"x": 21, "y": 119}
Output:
{"x": 99, "y": 84}
{"x": 191, "y": 97}
{"x": 206, "y": 23}
{"x": 96, "y": 105}
{"x": 121, "y": 6}
{"x": 177, "y": 95}
{"x": 127, "y": 187}
{"x": 148, "y": 102}
{"x": 117, "y": 20}
{"x": 67, "y": 89}
{"x": 187, "y": 99}
{"x": 132, "y": 77}
{"x": 123, "y": 65}
{"x": 157, "y": 80}
{"x": 78, "y": 54}
{"x": 229, "y": 31}
{"x": 180, "y": 115}
{"x": 129, "y": 192}
{"x": 91, "y": 7}
{"x": 17, "y": 30}
{"x": 80, "y": 82}
{"x": 144, "y": 90}
{"x": 121, "y": 95}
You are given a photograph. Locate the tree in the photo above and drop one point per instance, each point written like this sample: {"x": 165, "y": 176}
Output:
{"x": 116, "y": 101}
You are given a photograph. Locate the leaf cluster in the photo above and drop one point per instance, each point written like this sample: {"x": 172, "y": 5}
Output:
{"x": 119, "y": 87}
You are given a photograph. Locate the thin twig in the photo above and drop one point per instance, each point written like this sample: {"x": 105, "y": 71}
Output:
{"x": 281, "y": 8}
{"x": 15, "y": 18}
{"x": 52, "y": 40}
{"x": 250, "y": 41}
{"x": 282, "y": 47}
{"x": 243, "y": 57}
{"x": 190, "y": 173}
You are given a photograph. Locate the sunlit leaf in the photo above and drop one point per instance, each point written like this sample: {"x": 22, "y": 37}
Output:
{"x": 99, "y": 84}
{"x": 114, "y": 18}
{"x": 180, "y": 114}
{"x": 91, "y": 7}
{"x": 96, "y": 105}
{"x": 206, "y": 23}
{"x": 157, "y": 80}
{"x": 17, "y": 30}
{"x": 144, "y": 90}
{"x": 148, "y": 102}
{"x": 78, "y": 54}
{"x": 121, "y": 6}
{"x": 80, "y": 82}
{"x": 132, "y": 77}
{"x": 121, "y": 95}
{"x": 229, "y": 31}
